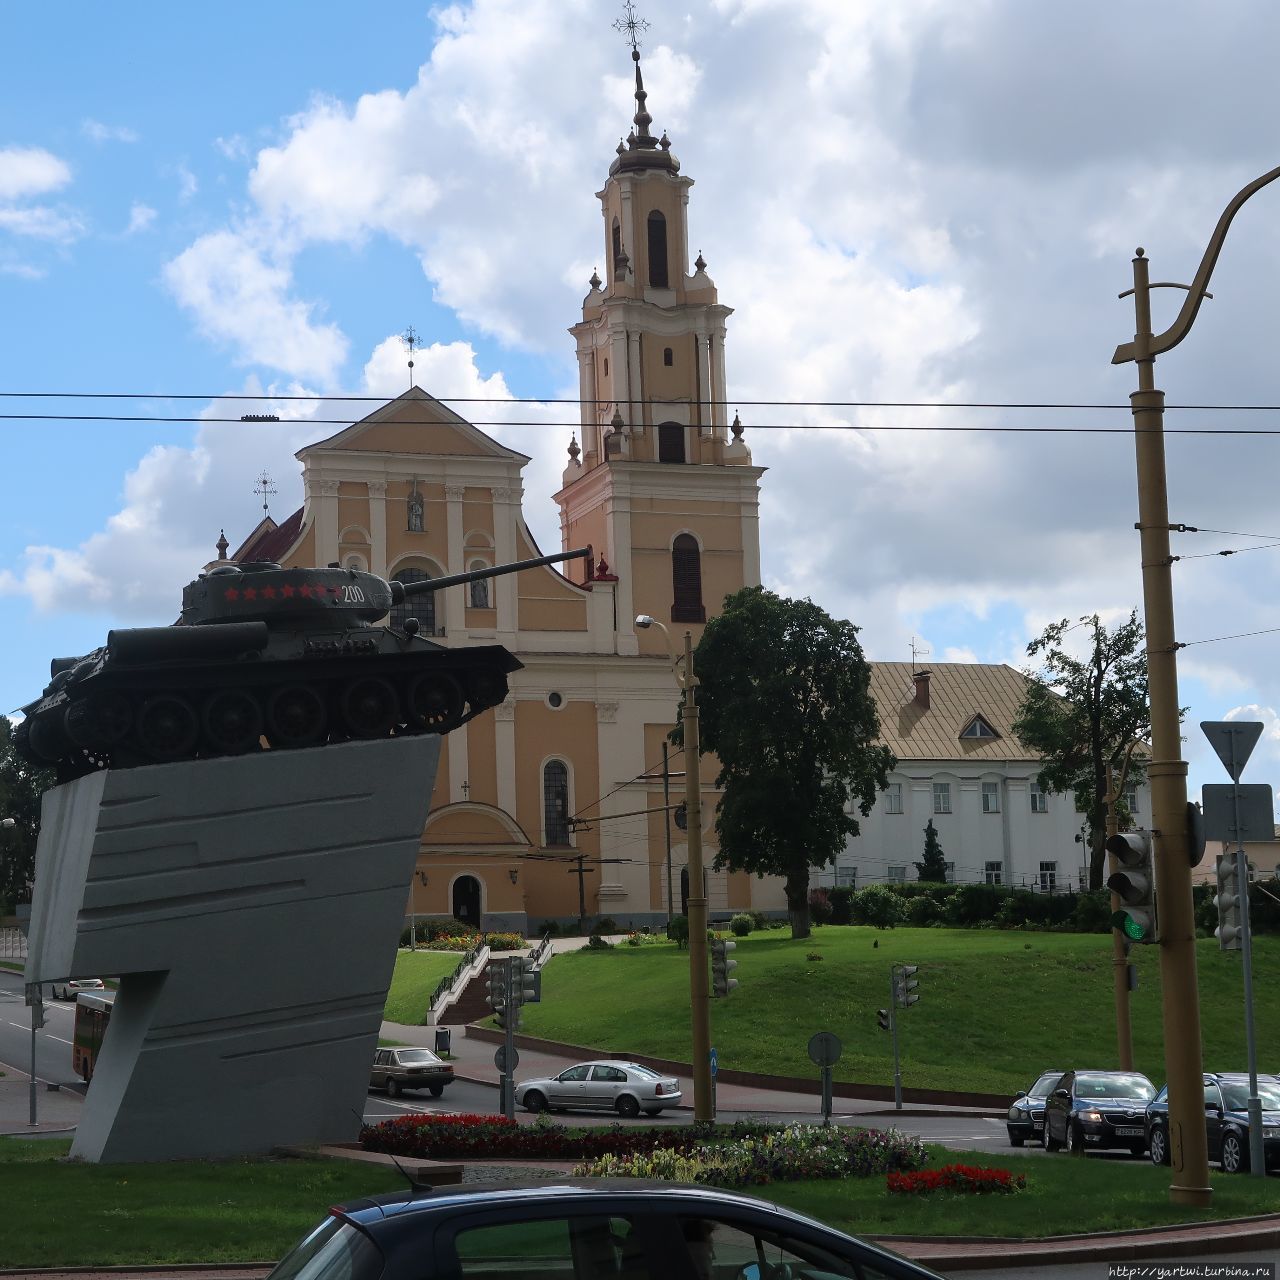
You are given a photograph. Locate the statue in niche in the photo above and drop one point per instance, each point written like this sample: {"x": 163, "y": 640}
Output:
{"x": 415, "y": 510}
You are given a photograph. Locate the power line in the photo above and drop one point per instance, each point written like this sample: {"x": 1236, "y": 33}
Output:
{"x": 1239, "y": 635}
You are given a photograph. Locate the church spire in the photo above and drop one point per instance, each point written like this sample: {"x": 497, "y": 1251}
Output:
{"x": 641, "y": 149}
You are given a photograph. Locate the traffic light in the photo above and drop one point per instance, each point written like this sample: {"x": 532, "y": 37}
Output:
{"x": 904, "y": 985}
{"x": 1230, "y": 903}
{"x": 495, "y": 985}
{"x": 722, "y": 966}
{"x": 1134, "y": 883}
{"x": 508, "y": 1016}
{"x": 526, "y": 981}
{"x": 882, "y": 1017}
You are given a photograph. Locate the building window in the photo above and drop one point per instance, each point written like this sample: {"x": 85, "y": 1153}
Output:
{"x": 422, "y": 607}
{"x": 1039, "y": 799}
{"x": 619, "y": 264}
{"x": 479, "y": 588}
{"x": 668, "y": 357}
{"x": 897, "y": 875}
{"x": 686, "y": 580}
{"x": 847, "y": 876}
{"x": 1048, "y": 877}
{"x": 670, "y": 442}
{"x": 1131, "y": 799}
{"x": 555, "y": 802}
{"x": 942, "y": 797}
{"x": 606, "y": 366}
{"x": 990, "y": 797}
{"x": 657, "y": 250}
{"x": 978, "y": 728}
{"x": 893, "y": 798}
{"x": 993, "y": 873}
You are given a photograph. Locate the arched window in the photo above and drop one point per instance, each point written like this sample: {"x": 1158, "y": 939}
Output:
{"x": 668, "y": 357}
{"x": 670, "y": 442}
{"x": 555, "y": 802}
{"x": 479, "y": 588}
{"x": 686, "y": 580}
{"x": 422, "y": 607}
{"x": 617, "y": 240}
{"x": 657, "y": 250}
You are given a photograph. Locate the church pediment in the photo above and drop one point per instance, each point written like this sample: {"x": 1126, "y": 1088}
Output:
{"x": 473, "y": 824}
{"x": 416, "y": 424}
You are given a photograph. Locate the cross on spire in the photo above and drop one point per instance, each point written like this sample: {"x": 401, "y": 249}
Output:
{"x": 264, "y": 487}
{"x": 412, "y": 342}
{"x": 632, "y": 27}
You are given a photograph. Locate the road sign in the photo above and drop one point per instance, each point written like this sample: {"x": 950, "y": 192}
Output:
{"x": 503, "y": 1063}
{"x": 1234, "y": 741}
{"x": 1256, "y": 821}
{"x": 715, "y": 1062}
{"x": 825, "y": 1049}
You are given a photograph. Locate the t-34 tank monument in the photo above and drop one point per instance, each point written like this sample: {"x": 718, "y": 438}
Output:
{"x": 240, "y": 805}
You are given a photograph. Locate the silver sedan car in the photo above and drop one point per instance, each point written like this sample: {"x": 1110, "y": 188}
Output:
{"x": 624, "y": 1087}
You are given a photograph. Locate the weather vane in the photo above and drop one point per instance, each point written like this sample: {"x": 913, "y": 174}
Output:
{"x": 264, "y": 486}
{"x": 411, "y": 340}
{"x": 631, "y": 26}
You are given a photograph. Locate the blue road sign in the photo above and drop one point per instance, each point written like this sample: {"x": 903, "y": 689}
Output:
{"x": 715, "y": 1064}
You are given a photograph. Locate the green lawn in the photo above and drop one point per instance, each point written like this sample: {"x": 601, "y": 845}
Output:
{"x": 996, "y": 1007}
{"x": 415, "y": 978}
{"x": 253, "y": 1210}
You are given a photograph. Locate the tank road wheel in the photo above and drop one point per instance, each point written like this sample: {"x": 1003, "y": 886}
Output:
{"x": 486, "y": 689}
{"x": 100, "y": 720}
{"x": 370, "y": 708}
{"x": 167, "y": 728}
{"x": 232, "y": 722}
{"x": 46, "y": 736}
{"x": 435, "y": 703}
{"x": 295, "y": 717}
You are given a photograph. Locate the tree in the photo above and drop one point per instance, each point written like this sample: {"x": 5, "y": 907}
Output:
{"x": 934, "y": 866}
{"x": 1084, "y": 714}
{"x": 786, "y": 706}
{"x": 21, "y": 786}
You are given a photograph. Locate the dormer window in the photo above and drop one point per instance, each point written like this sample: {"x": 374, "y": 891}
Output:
{"x": 978, "y": 728}
{"x": 657, "y": 250}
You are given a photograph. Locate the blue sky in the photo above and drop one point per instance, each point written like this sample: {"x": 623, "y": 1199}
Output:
{"x": 249, "y": 198}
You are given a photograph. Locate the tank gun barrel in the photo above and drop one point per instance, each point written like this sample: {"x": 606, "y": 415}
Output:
{"x": 401, "y": 590}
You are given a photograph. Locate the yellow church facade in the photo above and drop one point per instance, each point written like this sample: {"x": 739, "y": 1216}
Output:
{"x": 551, "y": 805}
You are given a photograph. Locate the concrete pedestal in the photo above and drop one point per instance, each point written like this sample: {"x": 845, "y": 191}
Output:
{"x": 251, "y": 907}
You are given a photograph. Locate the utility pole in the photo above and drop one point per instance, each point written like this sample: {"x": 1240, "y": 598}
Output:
{"x": 581, "y": 872}
{"x": 1188, "y": 1157}
{"x": 666, "y": 825}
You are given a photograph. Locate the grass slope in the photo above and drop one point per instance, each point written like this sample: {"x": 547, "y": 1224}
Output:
{"x": 415, "y": 978}
{"x": 996, "y": 1007}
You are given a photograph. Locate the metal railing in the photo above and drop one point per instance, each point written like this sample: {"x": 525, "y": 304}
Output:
{"x": 539, "y": 953}
{"x": 13, "y": 944}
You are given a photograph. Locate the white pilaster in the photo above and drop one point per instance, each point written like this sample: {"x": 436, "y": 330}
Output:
{"x": 327, "y": 523}
{"x": 505, "y": 750}
{"x": 459, "y": 762}
{"x": 505, "y": 588}
{"x": 378, "y": 527}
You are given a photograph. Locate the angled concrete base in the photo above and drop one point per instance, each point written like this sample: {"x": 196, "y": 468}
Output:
{"x": 251, "y": 907}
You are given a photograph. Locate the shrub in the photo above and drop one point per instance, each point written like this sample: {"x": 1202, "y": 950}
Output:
{"x": 819, "y": 906}
{"x": 923, "y": 911}
{"x": 740, "y": 926}
{"x": 548, "y": 929}
{"x": 965, "y": 1179}
{"x": 761, "y": 921}
{"x": 972, "y": 904}
{"x": 678, "y": 930}
{"x": 446, "y": 927}
{"x": 505, "y": 941}
{"x": 606, "y": 924}
{"x": 876, "y": 905}
{"x": 1092, "y": 913}
{"x": 596, "y": 943}
{"x": 841, "y": 898}
{"x": 448, "y": 942}
{"x": 636, "y": 939}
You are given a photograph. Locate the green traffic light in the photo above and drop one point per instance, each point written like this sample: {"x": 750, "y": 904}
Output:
{"x": 1132, "y": 928}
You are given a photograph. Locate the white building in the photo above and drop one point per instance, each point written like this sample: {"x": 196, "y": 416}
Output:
{"x": 961, "y": 766}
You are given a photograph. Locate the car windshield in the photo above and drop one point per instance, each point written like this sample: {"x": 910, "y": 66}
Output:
{"x": 1044, "y": 1085}
{"x": 335, "y": 1250}
{"x": 1235, "y": 1095}
{"x": 417, "y": 1057}
{"x": 1115, "y": 1086}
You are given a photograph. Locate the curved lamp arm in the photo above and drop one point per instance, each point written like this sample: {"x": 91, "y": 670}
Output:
{"x": 1178, "y": 330}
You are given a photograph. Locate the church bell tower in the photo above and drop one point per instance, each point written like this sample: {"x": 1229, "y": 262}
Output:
{"x": 659, "y": 487}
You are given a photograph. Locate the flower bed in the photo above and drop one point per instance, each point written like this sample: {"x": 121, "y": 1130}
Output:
{"x": 743, "y": 1154}
{"x": 965, "y": 1179}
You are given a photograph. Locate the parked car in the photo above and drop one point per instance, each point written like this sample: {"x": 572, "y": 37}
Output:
{"x": 1094, "y": 1110}
{"x": 1226, "y": 1117}
{"x": 620, "y": 1228}
{"x": 69, "y": 988}
{"x": 624, "y": 1087}
{"x": 397, "y": 1069}
{"x": 1026, "y": 1113}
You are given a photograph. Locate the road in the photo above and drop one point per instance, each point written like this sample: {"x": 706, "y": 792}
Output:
{"x": 53, "y": 1040}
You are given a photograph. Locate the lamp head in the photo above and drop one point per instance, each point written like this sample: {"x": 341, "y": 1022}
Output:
{"x": 644, "y": 621}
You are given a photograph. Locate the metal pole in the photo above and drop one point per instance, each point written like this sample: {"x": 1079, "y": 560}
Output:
{"x": 666, "y": 825}
{"x": 1119, "y": 950}
{"x": 703, "y": 1102}
{"x": 826, "y": 1095}
{"x": 893, "y": 1027}
{"x": 1189, "y": 1154}
{"x": 509, "y": 1043}
{"x": 35, "y": 1022}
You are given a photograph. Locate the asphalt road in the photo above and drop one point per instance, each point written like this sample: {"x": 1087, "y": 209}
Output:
{"x": 53, "y": 1040}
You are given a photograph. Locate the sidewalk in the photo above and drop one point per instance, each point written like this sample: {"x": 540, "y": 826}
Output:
{"x": 57, "y": 1110}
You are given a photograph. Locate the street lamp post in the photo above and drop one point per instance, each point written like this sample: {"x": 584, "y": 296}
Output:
{"x": 704, "y": 1111}
{"x": 1188, "y": 1145}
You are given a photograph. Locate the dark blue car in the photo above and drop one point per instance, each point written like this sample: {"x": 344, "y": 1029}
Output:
{"x": 1025, "y": 1120}
{"x": 1097, "y": 1111}
{"x": 1226, "y": 1118}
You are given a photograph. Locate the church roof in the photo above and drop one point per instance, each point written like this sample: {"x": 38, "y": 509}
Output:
{"x": 269, "y": 541}
{"x": 958, "y": 691}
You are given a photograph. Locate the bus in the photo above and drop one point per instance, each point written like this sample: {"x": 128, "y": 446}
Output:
{"x": 93, "y": 1012}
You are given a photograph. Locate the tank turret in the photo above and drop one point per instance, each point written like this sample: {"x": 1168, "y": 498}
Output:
{"x": 289, "y": 658}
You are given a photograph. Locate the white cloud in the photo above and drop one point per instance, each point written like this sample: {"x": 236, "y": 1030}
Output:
{"x": 141, "y": 216}
{"x": 23, "y": 270}
{"x": 188, "y": 185}
{"x": 42, "y": 223}
{"x": 96, "y": 131}
{"x": 232, "y": 148}
{"x": 30, "y": 171}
